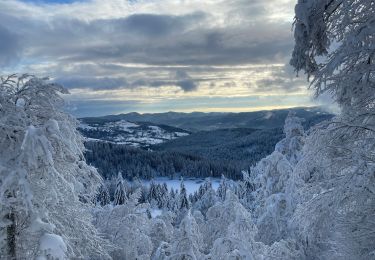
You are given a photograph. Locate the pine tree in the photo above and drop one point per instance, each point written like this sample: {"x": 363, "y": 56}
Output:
{"x": 120, "y": 192}
{"x": 163, "y": 196}
{"x": 187, "y": 244}
{"x": 222, "y": 189}
{"x": 172, "y": 200}
{"x": 183, "y": 200}
{"x": 128, "y": 227}
{"x": 153, "y": 193}
{"x": 103, "y": 195}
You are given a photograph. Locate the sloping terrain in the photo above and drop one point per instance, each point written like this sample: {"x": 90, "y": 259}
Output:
{"x": 124, "y": 132}
{"x": 239, "y": 146}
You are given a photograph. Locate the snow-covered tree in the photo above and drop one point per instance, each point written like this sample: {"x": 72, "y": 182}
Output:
{"x": 332, "y": 189}
{"x": 334, "y": 181}
{"x": 163, "y": 197}
{"x": 270, "y": 199}
{"x": 161, "y": 231}
{"x": 187, "y": 242}
{"x": 334, "y": 44}
{"x": 183, "y": 202}
{"x": 221, "y": 219}
{"x": 230, "y": 234}
{"x": 46, "y": 188}
{"x": 206, "y": 197}
{"x": 127, "y": 227}
{"x": 120, "y": 193}
{"x": 103, "y": 197}
{"x": 172, "y": 200}
{"x": 291, "y": 146}
{"x": 158, "y": 195}
{"x": 245, "y": 188}
{"x": 153, "y": 194}
{"x": 137, "y": 185}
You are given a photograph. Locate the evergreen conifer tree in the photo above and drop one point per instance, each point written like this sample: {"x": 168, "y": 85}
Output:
{"x": 120, "y": 193}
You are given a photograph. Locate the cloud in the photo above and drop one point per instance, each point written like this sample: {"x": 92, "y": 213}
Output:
{"x": 198, "y": 47}
{"x": 177, "y": 78}
{"x": 187, "y": 85}
{"x": 281, "y": 79}
{"x": 153, "y": 25}
{"x": 180, "y": 79}
{"x": 9, "y": 48}
{"x": 105, "y": 83}
{"x": 149, "y": 38}
{"x": 185, "y": 82}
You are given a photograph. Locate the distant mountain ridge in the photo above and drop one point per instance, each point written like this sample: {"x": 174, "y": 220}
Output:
{"x": 201, "y": 121}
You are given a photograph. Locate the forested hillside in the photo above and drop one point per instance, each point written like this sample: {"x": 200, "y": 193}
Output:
{"x": 201, "y": 154}
{"x": 110, "y": 159}
{"x": 204, "y": 154}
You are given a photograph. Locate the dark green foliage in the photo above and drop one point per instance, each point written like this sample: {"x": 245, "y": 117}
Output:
{"x": 238, "y": 148}
{"x": 134, "y": 162}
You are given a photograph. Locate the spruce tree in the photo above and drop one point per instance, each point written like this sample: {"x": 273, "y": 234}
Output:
{"x": 183, "y": 200}
{"x": 103, "y": 195}
{"x": 222, "y": 189}
{"x": 120, "y": 193}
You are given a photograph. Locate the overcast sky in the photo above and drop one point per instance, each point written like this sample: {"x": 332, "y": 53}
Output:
{"x": 119, "y": 56}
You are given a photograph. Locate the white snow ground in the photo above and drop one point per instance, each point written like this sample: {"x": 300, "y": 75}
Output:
{"x": 191, "y": 184}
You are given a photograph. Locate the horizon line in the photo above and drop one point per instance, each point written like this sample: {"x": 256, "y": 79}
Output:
{"x": 208, "y": 112}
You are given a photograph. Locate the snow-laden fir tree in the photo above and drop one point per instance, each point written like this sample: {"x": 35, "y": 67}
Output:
{"x": 291, "y": 146}
{"x": 153, "y": 193}
{"x": 183, "y": 202}
{"x": 164, "y": 196}
{"x": 127, "y": 227}
{"x": 46, "y": 188}
{"x": 103, "y": 197}
{"x": 186, "y": 243}
{"x": 269, "y": 196}
{"x": 172, "y": 200}
{"x": 206, "y": 197}
{"x": 188, "y": 240}
{"x": 229, "y": 233}
{"x": 120, "y": 193}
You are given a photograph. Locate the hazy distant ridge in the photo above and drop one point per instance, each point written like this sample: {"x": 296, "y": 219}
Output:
{"x": 200, "y": 121}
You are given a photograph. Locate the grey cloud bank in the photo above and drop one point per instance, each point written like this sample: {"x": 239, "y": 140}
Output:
{"x": 193, "y": 46}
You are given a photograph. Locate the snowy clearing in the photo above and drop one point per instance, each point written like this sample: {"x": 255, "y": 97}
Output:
{"x": 191, "y": 184}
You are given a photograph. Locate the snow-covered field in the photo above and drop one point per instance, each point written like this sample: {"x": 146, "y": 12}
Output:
{"x": 191, "y": 184}
{"x": 128, "y": 133}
